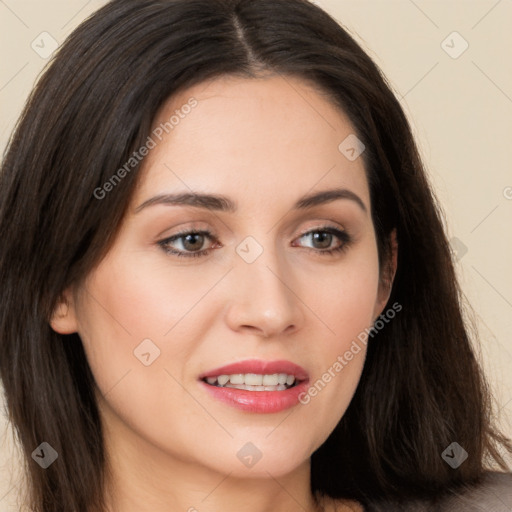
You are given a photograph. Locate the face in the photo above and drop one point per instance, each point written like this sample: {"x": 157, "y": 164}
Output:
{"x": 262, "y": 275}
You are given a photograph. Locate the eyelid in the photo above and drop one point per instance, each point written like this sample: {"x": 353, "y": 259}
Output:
{"x": 326, "y": 225}
{"x": 194, "y": 226}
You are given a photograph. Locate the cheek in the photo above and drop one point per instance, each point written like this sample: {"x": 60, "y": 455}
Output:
{"x": 345, "y": 295}
{"x": 143, "y": 295}
{"x": 131, "y": 299}
{"x": 345, "y": 303}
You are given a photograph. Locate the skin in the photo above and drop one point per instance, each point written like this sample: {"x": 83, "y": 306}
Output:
{"x": 263, "y": 143}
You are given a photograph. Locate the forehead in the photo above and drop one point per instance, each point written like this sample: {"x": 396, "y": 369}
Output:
{"x": 276, "y": 135}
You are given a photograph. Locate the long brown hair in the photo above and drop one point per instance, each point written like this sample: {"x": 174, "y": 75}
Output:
{"x": 91, "y": 109}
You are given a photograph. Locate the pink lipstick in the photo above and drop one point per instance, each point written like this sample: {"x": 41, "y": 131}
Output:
{"x": 257, "y": 385}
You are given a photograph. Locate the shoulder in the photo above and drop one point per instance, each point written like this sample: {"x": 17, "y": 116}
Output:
{"x": 492, "y": 494}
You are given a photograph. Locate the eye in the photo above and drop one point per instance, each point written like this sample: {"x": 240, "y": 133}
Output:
{"x": 323, "y": 238}
{"x": 190, "y": 241}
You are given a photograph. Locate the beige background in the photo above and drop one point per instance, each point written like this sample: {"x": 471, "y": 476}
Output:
{"x": 460, "y": 109}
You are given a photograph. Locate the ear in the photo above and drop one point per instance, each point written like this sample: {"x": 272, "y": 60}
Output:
{"x": 63, "y": 318}
{"x": 386, "y": 281}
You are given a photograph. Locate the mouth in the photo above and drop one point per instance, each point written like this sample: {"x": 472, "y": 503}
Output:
{"x": 257, "y": 386}
{"x": 254, "y": 381}
{"x": 256, "y": 375}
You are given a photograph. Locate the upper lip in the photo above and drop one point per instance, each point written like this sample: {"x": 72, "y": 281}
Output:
{"x": 259, "y": 366}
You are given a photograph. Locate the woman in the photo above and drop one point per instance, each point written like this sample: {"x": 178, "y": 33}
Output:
{"x": 225, "y": 280}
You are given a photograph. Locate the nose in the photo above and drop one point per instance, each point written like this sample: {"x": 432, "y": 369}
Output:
{"x": 263, "y": 297}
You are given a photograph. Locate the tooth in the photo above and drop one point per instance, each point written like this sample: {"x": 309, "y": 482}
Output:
{"x": 237, "y": 378}
{"x": 281, "y": 378}
{"x": 279, "y": 387}
{"x": 253, "y": 379}
{"x": 237, "y": 386}
{"x": 271, "y": 380}
{"x": 222, "y": 379}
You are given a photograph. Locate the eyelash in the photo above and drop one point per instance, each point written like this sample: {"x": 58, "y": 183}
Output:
{"x": 345, "y": 238}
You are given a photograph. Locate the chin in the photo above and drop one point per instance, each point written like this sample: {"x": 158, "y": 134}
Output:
{"x": 258, "y": 459}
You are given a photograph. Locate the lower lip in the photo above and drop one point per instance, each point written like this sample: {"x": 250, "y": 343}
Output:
{"x": 258, "y": 401}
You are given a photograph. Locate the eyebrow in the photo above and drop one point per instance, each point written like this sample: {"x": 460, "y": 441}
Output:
{"x": 222, "y": 203}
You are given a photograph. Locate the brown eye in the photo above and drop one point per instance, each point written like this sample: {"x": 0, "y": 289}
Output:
{"x": 322, "y": 240}
{"x": 191, "y": 243}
